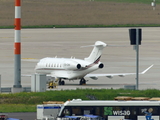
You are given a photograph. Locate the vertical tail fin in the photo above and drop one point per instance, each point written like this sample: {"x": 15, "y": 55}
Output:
{"x": 95, "y": 55}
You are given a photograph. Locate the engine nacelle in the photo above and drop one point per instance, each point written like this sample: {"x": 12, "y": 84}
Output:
{"x": 72, "y": 65}
{"x": 101, "y": 65}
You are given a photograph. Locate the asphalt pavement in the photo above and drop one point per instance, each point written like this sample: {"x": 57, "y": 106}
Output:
{"x": 119, "y": 57}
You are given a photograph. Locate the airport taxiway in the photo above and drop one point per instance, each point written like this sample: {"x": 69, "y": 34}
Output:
{"x": 66, "y": 42}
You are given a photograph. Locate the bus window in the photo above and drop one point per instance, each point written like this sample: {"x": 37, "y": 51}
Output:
{"x": 98, "y": 111}
{"x": 66, "y": 112}
{"x": 76, "y": 111}
{"x": 88, "y": 111}
{"x": 152, "y": 110}
{"x": 148, "y": 112}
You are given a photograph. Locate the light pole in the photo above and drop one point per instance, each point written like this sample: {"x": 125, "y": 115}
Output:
{"x": 135, "y": 39}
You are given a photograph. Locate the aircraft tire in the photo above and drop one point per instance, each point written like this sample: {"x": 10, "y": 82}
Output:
{"x": 84, "y": 82}
{"x": 81, "y": 82}
{"x": 62, "y": 83}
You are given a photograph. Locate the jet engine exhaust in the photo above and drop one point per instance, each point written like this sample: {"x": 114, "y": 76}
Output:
{"x": 78, "y": 66}
{"x": 101, "y": 65}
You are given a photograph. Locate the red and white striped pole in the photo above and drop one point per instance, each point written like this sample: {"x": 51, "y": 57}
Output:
{"x": 17, "y": 45}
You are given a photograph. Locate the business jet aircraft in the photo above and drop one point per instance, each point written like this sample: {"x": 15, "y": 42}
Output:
{"x": 72, "y": 69}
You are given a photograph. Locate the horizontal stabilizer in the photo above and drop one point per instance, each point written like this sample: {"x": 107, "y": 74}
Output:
{"x": 96, "y": 53}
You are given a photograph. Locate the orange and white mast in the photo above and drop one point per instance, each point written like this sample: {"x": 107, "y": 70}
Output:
{"x": 17, "y": 45}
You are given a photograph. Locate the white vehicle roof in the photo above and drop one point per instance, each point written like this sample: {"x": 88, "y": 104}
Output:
{"x": 79, "y": 102}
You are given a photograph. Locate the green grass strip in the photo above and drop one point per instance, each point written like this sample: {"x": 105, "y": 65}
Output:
{"x": 9, "y": 108}
{"x": 27, "y": 101}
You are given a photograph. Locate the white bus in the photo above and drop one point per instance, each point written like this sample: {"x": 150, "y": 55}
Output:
{"x": 110, "y": 110}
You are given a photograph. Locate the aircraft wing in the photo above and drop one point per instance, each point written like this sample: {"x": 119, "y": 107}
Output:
{"x": 95, "y": 76}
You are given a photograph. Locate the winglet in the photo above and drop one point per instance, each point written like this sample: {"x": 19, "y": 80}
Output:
{"x": 146, "y": 69}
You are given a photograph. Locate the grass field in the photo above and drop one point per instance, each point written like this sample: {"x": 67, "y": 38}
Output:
{"x": 81, "y": 12}
{"x": 26, "y": 102}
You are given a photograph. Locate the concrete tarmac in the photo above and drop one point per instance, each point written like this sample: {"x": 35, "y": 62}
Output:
{"x": 66, "y": 42}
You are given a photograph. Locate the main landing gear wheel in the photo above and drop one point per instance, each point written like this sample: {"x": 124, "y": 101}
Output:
{"x": 82, "y": 81}
{"x": 61, "y": 82}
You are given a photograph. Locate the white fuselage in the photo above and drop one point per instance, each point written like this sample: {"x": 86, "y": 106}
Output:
{"x": 66, "y": 68}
